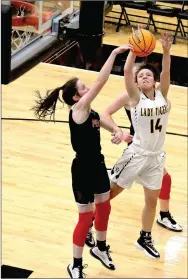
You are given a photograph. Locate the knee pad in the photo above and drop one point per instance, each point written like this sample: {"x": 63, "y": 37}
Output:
{"x": 102, "y": 215}
{"x": 166, "y": 187}
{"x": 82, "y": 228}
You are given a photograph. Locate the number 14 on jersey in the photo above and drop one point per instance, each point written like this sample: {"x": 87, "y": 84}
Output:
{"x": 155, "y": 125}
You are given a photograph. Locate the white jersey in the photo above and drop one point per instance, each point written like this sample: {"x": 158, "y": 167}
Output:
{"x": 149, "y": 119}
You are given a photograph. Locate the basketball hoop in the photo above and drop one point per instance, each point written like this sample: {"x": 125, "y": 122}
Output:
{"x": 25, "y": 23}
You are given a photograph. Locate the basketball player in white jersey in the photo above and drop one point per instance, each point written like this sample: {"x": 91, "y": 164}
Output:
{"x": 144, "y": 160}
{"x": 164, "y": 219}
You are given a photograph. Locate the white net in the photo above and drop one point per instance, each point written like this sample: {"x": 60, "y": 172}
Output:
{"x": 19, "y": 39}
{"x": 22, "y": 33}
{"x": 32, "y": 19}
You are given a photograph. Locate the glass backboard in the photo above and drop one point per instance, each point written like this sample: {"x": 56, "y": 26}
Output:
{"x": 31, "y": 19}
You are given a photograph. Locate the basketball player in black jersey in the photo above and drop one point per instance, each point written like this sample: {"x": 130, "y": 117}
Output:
{"x": 90, "y": 180}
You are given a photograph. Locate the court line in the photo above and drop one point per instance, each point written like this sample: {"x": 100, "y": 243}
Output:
{"x": 66, "y": 122}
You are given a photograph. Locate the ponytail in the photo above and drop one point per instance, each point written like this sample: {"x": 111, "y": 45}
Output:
{"x": 45, "y": 106}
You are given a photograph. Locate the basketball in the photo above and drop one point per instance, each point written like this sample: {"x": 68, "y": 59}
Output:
{"x": 143, "y": 42}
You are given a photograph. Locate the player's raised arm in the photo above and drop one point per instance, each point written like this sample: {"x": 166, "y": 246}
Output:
{"x": 166, "y": 42}
{"x": 75, "y": 91}
{"x": 102, "y": 78}
{"x": 130, "y": 85}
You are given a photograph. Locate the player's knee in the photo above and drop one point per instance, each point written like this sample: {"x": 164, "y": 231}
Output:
{"x": 100, "y": 198}
{"x": 151, "y": 198}
{"x": 166, "y": 187}
{"x": 86, "y": 218}
{"x": 115, "y": 190}
{"x": 82, "y": 228}
{"x": 102, "y": 215}
{"x": 151, "y": 203}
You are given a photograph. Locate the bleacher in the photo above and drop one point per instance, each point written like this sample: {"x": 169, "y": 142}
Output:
{"x": 153, "y": 15}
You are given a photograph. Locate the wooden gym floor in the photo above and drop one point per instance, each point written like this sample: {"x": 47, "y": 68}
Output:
{"x": 38, "y": 208}
{"x": 39, "y": 213}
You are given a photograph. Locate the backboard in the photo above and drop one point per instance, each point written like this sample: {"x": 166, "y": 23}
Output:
{"x": 31, "y": 19}
{"x": 27, "y": 31}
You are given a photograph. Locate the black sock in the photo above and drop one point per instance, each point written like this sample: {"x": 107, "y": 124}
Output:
{"x": 167, "y": 214}
{"x": 77, "y": 262}
{"x": 164, "y": 214}
{"x": 101, "y": 245}
{"x": 145, "y": 234}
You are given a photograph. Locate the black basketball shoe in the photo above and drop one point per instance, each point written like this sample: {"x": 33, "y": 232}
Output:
{"x": 145, "y": 243}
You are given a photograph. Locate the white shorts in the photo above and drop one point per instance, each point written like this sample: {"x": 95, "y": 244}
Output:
{"x": 142, "y": 167}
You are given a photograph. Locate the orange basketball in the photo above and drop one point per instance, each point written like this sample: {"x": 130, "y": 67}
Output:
{"x": 143, "y": 42}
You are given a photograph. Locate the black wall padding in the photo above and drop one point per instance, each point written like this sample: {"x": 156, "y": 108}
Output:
{"x": 91, "y": 25}
{"x": 91, "y": 17}
{"x": 6, "y": 25}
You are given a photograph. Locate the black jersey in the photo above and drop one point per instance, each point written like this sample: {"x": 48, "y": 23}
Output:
{"x": 131, "y": 127}
{"x": 85, "y": 137}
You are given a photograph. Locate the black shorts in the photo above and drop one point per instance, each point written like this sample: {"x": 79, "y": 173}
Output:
{"x": 89, "y": 177}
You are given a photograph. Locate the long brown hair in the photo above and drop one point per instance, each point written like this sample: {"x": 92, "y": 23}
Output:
{"x": 46, "y": 106}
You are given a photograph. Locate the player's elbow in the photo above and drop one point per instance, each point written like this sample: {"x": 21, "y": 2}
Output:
{"x": 106, "y": 114}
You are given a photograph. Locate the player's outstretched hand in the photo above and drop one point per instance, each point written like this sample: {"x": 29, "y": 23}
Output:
{"x": 122, "y": 49}
{"x": 166, "y": 41}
